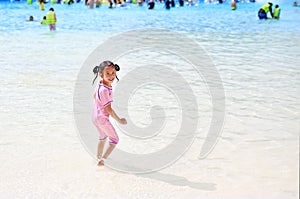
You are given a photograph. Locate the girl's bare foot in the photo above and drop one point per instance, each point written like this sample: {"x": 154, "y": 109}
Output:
{"x": 100, "y": 163}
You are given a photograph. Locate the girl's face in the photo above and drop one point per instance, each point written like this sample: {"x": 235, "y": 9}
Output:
{"x": 108, "y": 75}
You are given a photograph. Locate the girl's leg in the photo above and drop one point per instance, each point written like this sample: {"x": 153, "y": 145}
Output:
{"x": 113, "y": 138}
{"x": 101, "y": 144}
{"x": 109, "y": 150}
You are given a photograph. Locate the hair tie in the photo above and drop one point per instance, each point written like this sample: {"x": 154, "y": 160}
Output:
{"x": 96, "y": 71}
{"x": 117, "y": 67}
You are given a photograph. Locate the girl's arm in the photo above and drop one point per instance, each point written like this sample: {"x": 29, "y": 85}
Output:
{"x": 114, "y": 115}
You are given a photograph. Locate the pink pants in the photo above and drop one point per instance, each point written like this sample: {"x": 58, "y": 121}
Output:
{"x": 52, "y": 27}
{"x": 106, "y": 129}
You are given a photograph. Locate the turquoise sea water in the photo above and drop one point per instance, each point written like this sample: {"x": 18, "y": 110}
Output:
{"x": 203, "y": 18}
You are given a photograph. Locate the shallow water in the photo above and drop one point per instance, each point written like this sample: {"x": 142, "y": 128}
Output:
{"x": 256, "y": 155}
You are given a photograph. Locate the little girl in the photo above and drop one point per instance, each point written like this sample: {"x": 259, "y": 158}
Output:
{"x": 102, "y": 109}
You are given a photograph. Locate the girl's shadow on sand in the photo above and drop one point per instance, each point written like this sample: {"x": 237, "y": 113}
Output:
{"x": 168, "y": 178}
{"x": 179, "y": 181}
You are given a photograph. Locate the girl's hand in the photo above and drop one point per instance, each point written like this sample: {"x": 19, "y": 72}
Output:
{"x": 123, "y": 121}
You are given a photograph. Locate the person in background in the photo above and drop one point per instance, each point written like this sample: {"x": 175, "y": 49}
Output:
{"x": 42, "y": 4}
{"x": 123, "y": 4}
{"x": 98, "y": 3}
{"x": 44, "y": 21}
{"x": 140, "y": 2}
{"x": 189, "y": 3}
{"x": 181, "y": 3}
{"x": 167, "y": 4}
{"x": 110, "y": 4}
{"x": 51, "y": 19}
{"x": 31, "y": 18}
{"x": 70, "y": 2}
{"x": 151, "y": 4}
{"x": 277, "y": 12}
{"x": 90, "y": 4}
{"x": 172, "y": 3}
{"x": 233, "y": 5}
{"x": 263, "y": 11}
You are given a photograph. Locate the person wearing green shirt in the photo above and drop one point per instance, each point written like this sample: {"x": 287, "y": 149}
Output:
{"x": 263, "y": 11}
{"x": 277, "y": 12}
{"x": 44, "y": 21}
{"x": 51, "y": 19}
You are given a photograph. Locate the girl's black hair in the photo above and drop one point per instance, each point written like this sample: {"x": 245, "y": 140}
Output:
{"x": 100, "y": 68}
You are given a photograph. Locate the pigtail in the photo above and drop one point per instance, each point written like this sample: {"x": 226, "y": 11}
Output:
{"x": 96, "y": 72}
{"x": 117, "y": 67}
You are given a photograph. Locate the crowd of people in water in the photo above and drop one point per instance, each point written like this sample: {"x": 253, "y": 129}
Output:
{"x": 124, "y": 3}
{"x": 50, "y": 18}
